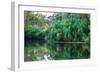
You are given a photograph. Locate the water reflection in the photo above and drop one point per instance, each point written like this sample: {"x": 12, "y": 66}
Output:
{"x": 41, "y": 50}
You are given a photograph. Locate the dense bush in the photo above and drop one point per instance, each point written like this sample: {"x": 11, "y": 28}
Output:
{"x": 70, "y": 27}
{"x": 58, "y": 27}
{"x": 34, "y": 33}
{"x": 34, "y": 26}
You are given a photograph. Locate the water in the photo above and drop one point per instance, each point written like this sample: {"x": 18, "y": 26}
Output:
{"x": 41, "y": 50}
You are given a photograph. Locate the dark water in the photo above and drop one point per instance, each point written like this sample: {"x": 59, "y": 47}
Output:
{"x": 40, "y": 50}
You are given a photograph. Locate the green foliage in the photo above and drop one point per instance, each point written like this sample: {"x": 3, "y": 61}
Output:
{"x": 56, "y": 30}
{"x": 34, "y": 26}
{"x": 73, "y": 26}
{"x": 67, "y": 27}
{"x": 32, "y": 18}
{"x": 34, "y": 33}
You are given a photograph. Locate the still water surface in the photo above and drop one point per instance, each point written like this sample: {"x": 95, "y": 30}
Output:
{"x": 40, "y": 50}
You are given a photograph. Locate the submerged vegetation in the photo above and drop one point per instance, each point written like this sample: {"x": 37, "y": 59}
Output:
{"x": 58, "y": 35}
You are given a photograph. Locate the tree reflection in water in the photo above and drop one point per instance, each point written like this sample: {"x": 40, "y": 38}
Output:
{"x": 41, "y": 50}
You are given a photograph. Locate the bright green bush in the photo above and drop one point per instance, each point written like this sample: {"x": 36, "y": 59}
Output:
{"x": 72, "y": 26}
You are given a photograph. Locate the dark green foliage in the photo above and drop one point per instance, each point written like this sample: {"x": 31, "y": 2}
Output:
{"x": 34, "y": 33}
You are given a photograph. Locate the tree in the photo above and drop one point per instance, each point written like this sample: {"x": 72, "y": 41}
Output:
{"x": 34, "y": 25}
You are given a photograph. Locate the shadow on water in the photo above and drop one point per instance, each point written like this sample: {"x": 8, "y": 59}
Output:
{"x": 41, "y": 50}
